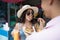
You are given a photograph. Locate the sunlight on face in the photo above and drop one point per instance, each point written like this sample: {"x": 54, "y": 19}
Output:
{"x": 29, "y": 15}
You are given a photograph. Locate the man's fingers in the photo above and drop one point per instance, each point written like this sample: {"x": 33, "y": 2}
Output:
{"x": 41, "y": 20}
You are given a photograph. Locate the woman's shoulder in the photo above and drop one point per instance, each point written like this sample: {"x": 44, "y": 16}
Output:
{"x": 20, "y": 24}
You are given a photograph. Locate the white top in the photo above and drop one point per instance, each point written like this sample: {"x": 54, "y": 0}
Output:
{"x": 50, "y": 32}
{"x": 21, "y": 27}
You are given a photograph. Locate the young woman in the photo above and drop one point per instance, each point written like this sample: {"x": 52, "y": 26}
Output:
{"x": 26, "y": 25}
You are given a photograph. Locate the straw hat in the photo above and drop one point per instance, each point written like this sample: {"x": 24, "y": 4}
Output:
{"x": 19, "y": 13}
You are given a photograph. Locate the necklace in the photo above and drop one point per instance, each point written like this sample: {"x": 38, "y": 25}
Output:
{"x": 29, "y": 29}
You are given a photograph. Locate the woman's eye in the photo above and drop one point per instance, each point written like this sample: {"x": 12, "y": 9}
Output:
{"x": 28, "y": 13}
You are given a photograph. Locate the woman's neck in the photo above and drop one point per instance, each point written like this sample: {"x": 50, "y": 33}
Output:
{"x": 28, "y": 23}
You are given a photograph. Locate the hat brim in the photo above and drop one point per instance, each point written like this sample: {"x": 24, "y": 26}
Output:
{"x": 19, "y": 13}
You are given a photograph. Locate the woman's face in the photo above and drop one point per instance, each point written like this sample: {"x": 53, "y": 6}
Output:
{"x": 29, "y": 15}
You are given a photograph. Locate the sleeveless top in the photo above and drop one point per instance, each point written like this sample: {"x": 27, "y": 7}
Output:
{"x": 22, "y": 32}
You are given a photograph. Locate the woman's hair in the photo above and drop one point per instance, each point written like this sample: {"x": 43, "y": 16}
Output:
{"x": 22, "y": 18}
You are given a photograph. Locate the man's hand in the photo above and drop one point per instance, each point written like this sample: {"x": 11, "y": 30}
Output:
{"x": 42, "y": 23}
